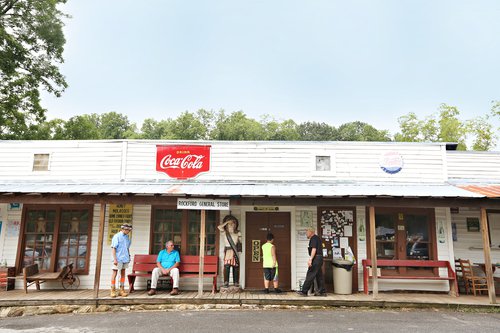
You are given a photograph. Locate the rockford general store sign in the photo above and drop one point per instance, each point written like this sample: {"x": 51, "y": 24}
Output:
{"x": 182, "y": 162}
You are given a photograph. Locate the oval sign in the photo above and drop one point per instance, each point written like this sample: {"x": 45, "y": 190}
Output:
{"x": 391, "y": 162}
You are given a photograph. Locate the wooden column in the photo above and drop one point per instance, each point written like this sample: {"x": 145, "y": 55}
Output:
{"x": 202, "y": 253}
{"x": 373, "y": 249}
{"x": 100, "y": 238}
{"x": 487, "y": 256}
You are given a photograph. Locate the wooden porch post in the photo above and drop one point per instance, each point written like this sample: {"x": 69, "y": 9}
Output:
{"x": 487, "y": 256}
{"x": 100, "y": 238}
{"x": 373, "y": 249}
{"x": 202, "y": 254}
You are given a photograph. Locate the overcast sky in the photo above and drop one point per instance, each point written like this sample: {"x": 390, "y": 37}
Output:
{"x": 333, "y": 61}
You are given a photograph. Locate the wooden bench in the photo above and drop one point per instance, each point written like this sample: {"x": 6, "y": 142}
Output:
{"x": 31, "y": 275}
{"x": 189, "y": 268}
{"x": 411, "y": 263}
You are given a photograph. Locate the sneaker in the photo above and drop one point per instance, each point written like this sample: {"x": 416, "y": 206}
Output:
{"x": 324, "y": 294}
{"x": 266, "y": 291}
{"x": 174, "y": 292}
{"x": 300, "y": 293}
{"x": 152, "y": 292}
{"x": 278, "y": 291}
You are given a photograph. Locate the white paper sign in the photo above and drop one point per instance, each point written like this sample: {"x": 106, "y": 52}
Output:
{"x": 344, "y": 242}
{"x": 337, "y": 253}
{"x": 348, "y": 230}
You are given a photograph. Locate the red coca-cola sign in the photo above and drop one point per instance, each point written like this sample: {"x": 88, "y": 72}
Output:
{"x": 182, "y": 162}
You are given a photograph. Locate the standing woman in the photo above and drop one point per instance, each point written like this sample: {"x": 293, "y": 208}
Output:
{"x": 232, "y": 246}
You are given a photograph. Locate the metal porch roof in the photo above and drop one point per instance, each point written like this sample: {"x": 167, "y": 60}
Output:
{"x": 489, "y": 191}
{"x": 289, "y": 189}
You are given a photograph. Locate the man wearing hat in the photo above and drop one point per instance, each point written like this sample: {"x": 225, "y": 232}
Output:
{"x": 120, "y": 245}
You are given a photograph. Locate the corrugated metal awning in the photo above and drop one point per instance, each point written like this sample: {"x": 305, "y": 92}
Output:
{"x": 289, "y": 189}
{"x": 490, "y": 191}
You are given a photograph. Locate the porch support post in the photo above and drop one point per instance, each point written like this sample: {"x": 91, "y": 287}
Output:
{"x": 202, "y": 254}
{"x": 373, "y": 250}
{"x": 487, "y": 256}
{"x": 100, "y": 238}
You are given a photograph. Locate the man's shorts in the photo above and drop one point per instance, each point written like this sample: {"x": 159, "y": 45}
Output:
{"x": 270, "y": 274}
{"x": 120, "y": 266}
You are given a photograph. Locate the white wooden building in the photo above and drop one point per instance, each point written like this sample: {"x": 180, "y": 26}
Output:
{"x": 422, "y": 193}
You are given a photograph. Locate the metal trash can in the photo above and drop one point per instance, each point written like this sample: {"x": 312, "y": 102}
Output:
{"x": 342, "y": 276}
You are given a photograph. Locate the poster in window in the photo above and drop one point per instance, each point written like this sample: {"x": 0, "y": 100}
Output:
{"x": 13, "y": 228}
{"x": 472, "y": 224}
{"x": 306, "y": 218}
{"x": 441, "y": 232}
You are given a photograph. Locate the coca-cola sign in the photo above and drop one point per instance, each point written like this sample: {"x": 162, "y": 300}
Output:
{"x": 182, "y": 162}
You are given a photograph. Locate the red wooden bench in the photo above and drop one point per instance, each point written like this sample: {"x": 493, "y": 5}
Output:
{"x": 189, "y": 268}
{"x": 411, "y": 263}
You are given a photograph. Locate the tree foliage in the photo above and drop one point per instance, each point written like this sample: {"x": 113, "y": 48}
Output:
{"x": 313, "y": 131}
{"x": 446, "y": 126}
{"x": 360, "y": 131}
{"x": 31, "y": 48}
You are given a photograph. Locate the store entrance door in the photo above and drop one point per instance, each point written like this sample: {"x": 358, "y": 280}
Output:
{"x": 258, "y": 224}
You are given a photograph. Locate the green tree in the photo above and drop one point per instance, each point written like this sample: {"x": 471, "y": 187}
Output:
{"x": 187, "y": 127}
{"x": 445, "y": 126}
{"x": 279, "y": 131}
{"x": 48, "y": 130}
{"x": 360, "y": 131}
{"x": 31, "y": 48}
{"x": 313, "y": 131}
{"x": 83, "y": 127}
{"x": 451, "y": 129}
{"x": 115, "y": 126}
{"x": 238, "y": 127}
{"x": 155, "y": 130}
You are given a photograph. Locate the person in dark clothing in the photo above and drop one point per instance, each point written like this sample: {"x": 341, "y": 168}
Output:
{"x": 315, "y": 264}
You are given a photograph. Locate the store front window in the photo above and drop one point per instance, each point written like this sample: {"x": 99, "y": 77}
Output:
{"x": 55, "y": 236}
{"x": 183, "y": 227}
{"x": 405, "y": 234}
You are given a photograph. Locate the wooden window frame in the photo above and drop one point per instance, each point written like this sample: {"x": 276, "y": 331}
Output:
{"x": 184, "y": 229}
{"x": 430, "y": 213}
{"x": 55, "y": 242}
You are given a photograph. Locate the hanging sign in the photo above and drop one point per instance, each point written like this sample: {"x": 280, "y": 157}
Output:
{"x": 203, "y": 203}
{"x": 182, "y": 161}
{"x": 255, "y": 250}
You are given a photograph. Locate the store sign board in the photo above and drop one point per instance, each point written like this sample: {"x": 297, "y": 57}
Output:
{"x": 203, "y": 203}
{"x": 182, "y": 161}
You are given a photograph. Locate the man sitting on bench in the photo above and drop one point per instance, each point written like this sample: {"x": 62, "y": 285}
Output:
{"x": 168, "y": 262}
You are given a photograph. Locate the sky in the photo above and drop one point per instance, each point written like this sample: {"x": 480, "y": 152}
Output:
{"x": 333, "y": 61}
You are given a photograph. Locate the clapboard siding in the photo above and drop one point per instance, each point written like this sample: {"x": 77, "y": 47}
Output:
{"x": 469, "y": 244}
{"x": 69, "y": 160}
{"x": 473, "y": 165}
{"x": 238, "y": 161}
{"x": 295, "y": 161}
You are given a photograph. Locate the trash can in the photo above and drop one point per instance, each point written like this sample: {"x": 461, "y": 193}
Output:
{"x": 342, "y": 276}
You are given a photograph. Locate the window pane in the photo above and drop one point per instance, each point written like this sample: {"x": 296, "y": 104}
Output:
{"x": 73, "y": 238}
{"x": 167, "y": 225}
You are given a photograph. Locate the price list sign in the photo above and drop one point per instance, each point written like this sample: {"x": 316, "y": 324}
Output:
{"x": 118, "y": 215}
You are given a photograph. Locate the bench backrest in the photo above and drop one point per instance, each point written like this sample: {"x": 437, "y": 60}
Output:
{"x": 30, "y": 270}
{"x": 189, "y": 264}
{"x": 408, "y": 263}
{"x": 411, "y": 263}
